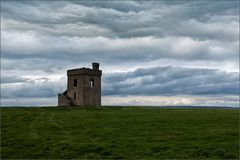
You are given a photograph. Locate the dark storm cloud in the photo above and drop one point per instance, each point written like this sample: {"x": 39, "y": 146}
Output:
{"x": 40, "y": 87}
{"x": 151, "y": 82}
{"x": 171, "y": 81}
{"x": 124, "y": 19}
{"x": 44, "y": 38}
{"x": 116, "y": 32}
{"x": 122, "y": 6}
{"x": 12, "y": 79}
{"x": 51, "y": 53}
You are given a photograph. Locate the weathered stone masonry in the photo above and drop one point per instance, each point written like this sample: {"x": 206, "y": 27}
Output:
{"x": 83, "y": 87}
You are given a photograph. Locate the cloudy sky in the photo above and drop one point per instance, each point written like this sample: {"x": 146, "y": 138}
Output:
{"x": 151, "y": 52}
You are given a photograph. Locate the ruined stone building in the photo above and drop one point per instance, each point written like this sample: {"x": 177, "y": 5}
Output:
{"x": 83, "y": 87}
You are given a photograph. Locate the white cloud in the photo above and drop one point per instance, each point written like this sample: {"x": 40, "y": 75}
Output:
{"x": 44, "y": 39}
{"x": 220, "y": 101}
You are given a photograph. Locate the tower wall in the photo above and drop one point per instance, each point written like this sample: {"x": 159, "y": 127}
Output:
{"x": 92, "y": 95}
{"x": 84, "y": 86}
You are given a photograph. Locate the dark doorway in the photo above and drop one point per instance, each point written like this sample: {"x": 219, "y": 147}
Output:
{"x": 74, "y": 96}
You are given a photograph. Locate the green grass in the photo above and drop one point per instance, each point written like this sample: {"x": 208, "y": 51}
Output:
{"x": 119, "y": 133}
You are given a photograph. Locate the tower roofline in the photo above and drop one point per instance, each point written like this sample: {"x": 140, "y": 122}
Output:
{"x": 84, "y": 71}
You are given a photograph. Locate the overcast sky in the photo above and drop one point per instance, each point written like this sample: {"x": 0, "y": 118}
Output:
{"x": 151, "y": 52}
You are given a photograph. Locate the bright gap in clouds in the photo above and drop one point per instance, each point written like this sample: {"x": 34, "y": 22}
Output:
{"x": 215, "y": 101}
{"x": 151, "y": 53}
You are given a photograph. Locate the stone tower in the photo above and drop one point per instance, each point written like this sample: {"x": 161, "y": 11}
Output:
{"x": 83, "y": 87}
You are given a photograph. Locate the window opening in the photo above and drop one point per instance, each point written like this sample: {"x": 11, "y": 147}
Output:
{"x": 92, "y": 83}
{"x": 75, "y": 83}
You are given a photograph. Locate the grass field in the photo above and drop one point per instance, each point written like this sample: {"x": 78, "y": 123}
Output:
{"x": 119, "y": 133}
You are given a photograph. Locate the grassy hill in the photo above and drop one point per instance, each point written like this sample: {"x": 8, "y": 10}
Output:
{"x": 119, "y": 133}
